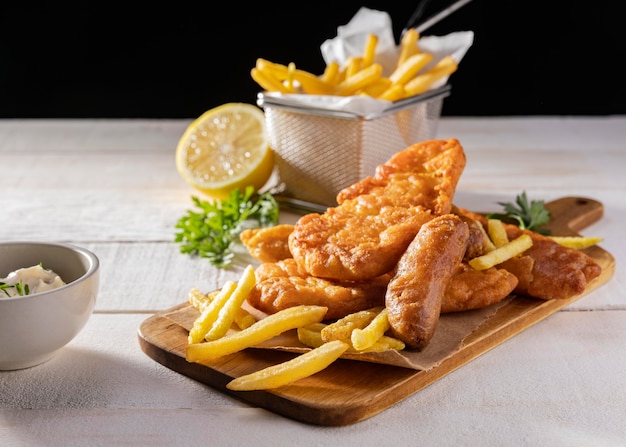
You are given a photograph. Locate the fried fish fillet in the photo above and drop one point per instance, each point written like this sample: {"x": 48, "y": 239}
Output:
{"x": 475, "y": 289}
{"x": 468, "y": 289}
{"x": 377, "y": 218}
{"x": 284, "y": 284}
{"x": 415, "y": 292}
{"x": 547, "y": 270}
{"x": 268, "y": 244}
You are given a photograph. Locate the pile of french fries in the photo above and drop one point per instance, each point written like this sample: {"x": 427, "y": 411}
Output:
{"x": 209, "y": 338}
{"x": 360, "y": 75}
{"x": 224, "y": 327}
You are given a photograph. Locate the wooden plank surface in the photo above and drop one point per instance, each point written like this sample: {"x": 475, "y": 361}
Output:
{"x": 350, "y": 391}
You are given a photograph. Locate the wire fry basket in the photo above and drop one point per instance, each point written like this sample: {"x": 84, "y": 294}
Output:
{"x": 319, "y": 152}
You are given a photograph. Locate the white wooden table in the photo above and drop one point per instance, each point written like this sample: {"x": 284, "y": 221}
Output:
{"x": 112, "y": 187}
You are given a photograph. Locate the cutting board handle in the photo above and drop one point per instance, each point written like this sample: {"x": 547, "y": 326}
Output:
{"x": 569, "y": 215}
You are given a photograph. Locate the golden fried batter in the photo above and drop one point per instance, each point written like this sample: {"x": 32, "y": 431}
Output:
{"x": 474, "y": 289}
{"x": 284, "y": 284}
{"x": 377, "y": 218}
{"x": 269, "y": 244}
{"x": 415, "y": 292}
{"x": 281, "y": 283}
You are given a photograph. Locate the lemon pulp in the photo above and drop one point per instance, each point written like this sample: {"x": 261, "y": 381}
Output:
{"x": 226, "y": 148}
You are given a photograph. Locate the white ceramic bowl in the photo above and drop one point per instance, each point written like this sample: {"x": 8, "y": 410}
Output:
{"x": 33, "y": 328}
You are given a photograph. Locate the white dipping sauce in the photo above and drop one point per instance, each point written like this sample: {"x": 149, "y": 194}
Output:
{"x": 36, "y": 277}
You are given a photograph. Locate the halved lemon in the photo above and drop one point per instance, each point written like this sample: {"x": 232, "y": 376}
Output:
{"x": 226, "y": 148}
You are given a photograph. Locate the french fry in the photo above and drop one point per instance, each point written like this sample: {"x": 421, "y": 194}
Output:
{"x": 227, "y": 313}
{"x": 311, "y": 336}
{"x": 304, "y": 365}
{"x": 409, "y": 68}
{"x": 244, "y": 319}
{"x": 577, "y": 242}
{"x": 343, "y": 327}
{"x": 385, "y": 343}
{"x": 393, "y": 93}
{"x": 331, "y": 73}
{"x": 271, "y": 326}
{"x": 359, "y": 80}
{"x": 422, "y": 82}
{"x": 497, "y": 232}
{"x": 200, "y": 301}
{"x": 366, "y": 337}
{"x": 309, "y": 82}
{"x": 445, "y": 64}
{"x": 203, "y": 323}
{"x": 408, "y": 45}
{"x": 353, "y": 66}
{"x": 499, "y": 255}
{"x": 377, "y": 88}
{"x": 341, "y": 75}
{"x": 370, "y": 51}
{"x": 276, "y": 71}
{"x": 268, "y": 83}
{"x": 291, "y": 68}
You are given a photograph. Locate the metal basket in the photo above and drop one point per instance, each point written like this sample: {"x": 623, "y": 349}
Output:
{"x": 319, "y": 152}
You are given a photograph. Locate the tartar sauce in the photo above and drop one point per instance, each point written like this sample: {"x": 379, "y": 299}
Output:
{"x": 36, "y": 278}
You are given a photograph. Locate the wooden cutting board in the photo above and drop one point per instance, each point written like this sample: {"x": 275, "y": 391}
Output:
{"x": 350, "y": 391}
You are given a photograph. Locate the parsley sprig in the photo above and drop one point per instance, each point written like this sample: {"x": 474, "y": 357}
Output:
{"x": 211, "y": 231}
{"x": 527, "y": 215}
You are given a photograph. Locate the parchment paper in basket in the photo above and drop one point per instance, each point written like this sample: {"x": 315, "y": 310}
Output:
{"x": 352, "y": 37}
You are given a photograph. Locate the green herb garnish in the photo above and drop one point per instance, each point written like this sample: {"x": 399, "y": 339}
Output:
{"x": 20, "y": 288}
{"x": 211, "y": 232}
{"x": 527, "y": 215}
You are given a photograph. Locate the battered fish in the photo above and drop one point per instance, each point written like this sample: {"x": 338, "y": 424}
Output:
{"x": 284, "y": 284}
{"x": 547, "y": 270}
{"x": 377, "y": 218}
{"x": 415, "y": 292}
{"x": 269, "y": 244}
{"x": 475, "y": 289}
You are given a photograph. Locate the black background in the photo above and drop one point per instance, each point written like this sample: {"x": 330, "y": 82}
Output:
{"x": 179, "y": 59}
